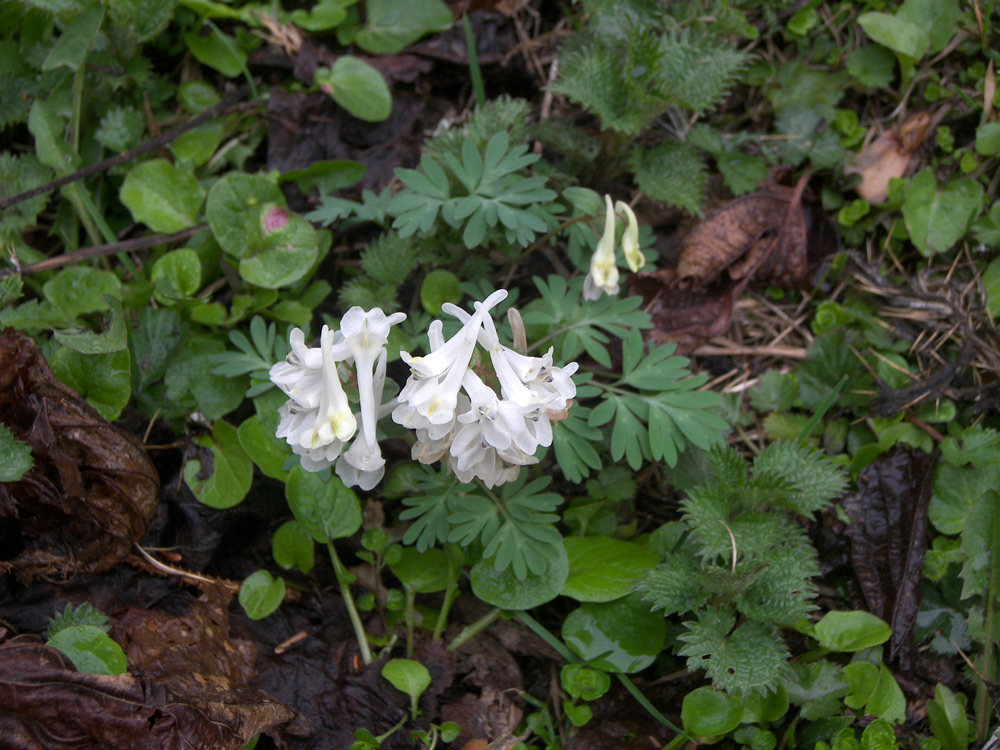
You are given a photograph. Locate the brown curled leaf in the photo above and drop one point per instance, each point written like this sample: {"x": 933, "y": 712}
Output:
{"x": 48, "y": 705}
{"x": 91, "y": 492}
{"x": 769, "y": 236}
{"x": 890, "y": 155}
{"x": 889, "y": 537}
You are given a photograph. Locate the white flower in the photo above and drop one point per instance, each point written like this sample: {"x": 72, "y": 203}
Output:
{"x": 603, "y": 276}
{"x": 630, "y": 240}
{"x": 318, "y": 420}
{"x": 435, "y": 379}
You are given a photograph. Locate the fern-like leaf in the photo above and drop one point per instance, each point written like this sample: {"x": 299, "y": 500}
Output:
{"x": 674, "y": 173}
{"x": 698, "y": 71}
{"x": 675, "y": 586}
{"x": 813, "y": 480}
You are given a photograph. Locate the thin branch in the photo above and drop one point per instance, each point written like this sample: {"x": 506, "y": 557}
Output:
{"x": 126, "y": 156}
{"x": 125, "y": 246}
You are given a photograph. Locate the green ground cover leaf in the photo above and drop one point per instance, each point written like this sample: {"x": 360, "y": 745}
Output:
{"x": 225, "y": 481}
{"x": 90, "y": 649}
{"x": 393, "y": 24}
{"x": 325, "y": 507}
{"x": 619, "y": 636}
{"x": 104, "y": 380}
{"x": 500, "y": 587}
{"x": 162, "y": 196}
{"x": 938, "y": 215}
{"x": 261, "y": 594}
{"x": 357, "y": 87}
{"x": 15, "y": 456}
{"x": 602, "y": 569}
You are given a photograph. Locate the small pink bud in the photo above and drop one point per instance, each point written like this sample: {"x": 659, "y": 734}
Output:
{"x": 326, "y": 88}
{"x": 275, "y": 218}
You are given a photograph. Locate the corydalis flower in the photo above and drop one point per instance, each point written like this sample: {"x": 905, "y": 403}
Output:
{"x": 487, "y": 435}
{"x": 317, "y": 420}
{"x": 603, "y": 274}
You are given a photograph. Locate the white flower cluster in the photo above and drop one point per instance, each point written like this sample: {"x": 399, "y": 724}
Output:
{"x": 456, "y": 415}
{"x": 317, "y": 420}
{"x": 603, "y": 275}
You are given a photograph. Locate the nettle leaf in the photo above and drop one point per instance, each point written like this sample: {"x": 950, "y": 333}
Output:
{"x": 120, "y": 128}
{"x": 675, "y": 586}
{"x": 15, "y": 456}
{"x": 813, "y": 480}
{"x": 84, "y": 614}
{"x": 750, "y": 659}
{"x": 674, "y": 173}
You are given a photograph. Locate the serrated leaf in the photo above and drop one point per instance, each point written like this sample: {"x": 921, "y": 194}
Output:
{"x": 673, "y": 173}
{"x": 979, "y": 545}
{"x": 814, "y": 480}
{"x": 675, "y": 586}
{"x": 974, "y": 445}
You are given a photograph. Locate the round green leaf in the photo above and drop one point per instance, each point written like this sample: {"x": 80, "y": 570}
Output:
{"x": 408, "y": 676}
{"x": 439, "y": 286}
{"x": 938, "y": 215}
{"x": 619, "y": 636}
{"x": 886, "y": 700}
{"x": 706, "y": 712}
{"x": 260, "y": 594}
{"x": 281, "y": 247}
{"x": 90, "y": 649}
{"x": 503, "y": 589}
{"x": 425, "y": 572}
{"x": 602, "y": 569}
{"x": 768, "y": 707}
{"x": 860, "y": 677}
{"x": 326, "y": 508}
{"x": 583, "y": 682}
{"x": 226, "y": 482}
{"x": 217, "y": 50}
{"x": 197, "y": 96}
{"x": 393, "y": 24}
{"x": 267, "y": 451}
{"x": 988, "y": 139}
{"x": 292, "y": 547}
{"x": 177, "y": 275}
{"x": 196, "y": 146}
{"x": 851, "y": 631}
{"x": 229, "y": 203}
{"x": 897, "y": 34}
{"x": 80, "y": 289}
{"x": 357, "y": 87}
{"x": 161, "y": 196}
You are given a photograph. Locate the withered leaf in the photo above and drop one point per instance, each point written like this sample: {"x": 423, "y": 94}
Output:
{"x": 47, "y": 705}
{"x": 92, "y": 491}
{"x": 889, "y": 537}
{"x": 769, "y": 236}
{"x": 683, "y": 316}
{"x": 890, "y": 155}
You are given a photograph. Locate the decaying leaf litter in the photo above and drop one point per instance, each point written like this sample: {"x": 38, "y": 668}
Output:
{"x": 227, "y": 678}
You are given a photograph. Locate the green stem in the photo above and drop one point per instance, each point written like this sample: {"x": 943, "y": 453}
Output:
{"x": 409, "y": 612}
{"x": 986, "y": 665}
{"x": 450, "y": 594}
{"x": 474, "y": 71}
{"x": 470, "y": 630}
{"x": 344, "y": 581}
{"x": 383, "y": 737}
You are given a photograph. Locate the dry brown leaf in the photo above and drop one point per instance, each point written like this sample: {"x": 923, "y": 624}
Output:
{"x": 890, "y": 155}
{"x": 91, "y": 492}
{"x": 770, "y": 237}
{"x": 888, "y": 534}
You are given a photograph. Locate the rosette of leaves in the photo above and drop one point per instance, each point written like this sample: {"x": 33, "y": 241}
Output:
{"x": 629, "y": 69}
{"x": 740, "y": 563}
